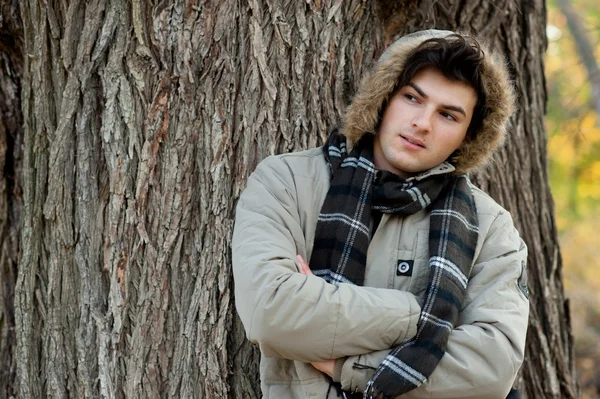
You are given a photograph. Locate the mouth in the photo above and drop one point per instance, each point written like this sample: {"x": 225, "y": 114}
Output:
{"x": 413, "y": 141}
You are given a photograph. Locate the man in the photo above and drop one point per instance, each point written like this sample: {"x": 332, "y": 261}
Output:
{"x": 415, "y": 285}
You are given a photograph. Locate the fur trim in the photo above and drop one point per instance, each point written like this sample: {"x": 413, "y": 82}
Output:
{"x": 363, "y": 113}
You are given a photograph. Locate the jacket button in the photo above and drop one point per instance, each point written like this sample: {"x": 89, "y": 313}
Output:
{"x": 403, "y": 267}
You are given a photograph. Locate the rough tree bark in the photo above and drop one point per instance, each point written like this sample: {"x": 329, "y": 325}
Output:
{"x": 11, "y": 134}
{"x": 141, "y": 125}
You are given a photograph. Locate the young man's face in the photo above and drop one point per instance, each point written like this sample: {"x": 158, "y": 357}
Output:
{"x": 423, "y": 123}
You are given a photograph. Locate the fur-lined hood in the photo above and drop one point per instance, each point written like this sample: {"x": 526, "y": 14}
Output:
{"x": 362, "y": 116}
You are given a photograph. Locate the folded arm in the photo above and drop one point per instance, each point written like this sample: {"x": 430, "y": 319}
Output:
{"x": 295, "y": 316}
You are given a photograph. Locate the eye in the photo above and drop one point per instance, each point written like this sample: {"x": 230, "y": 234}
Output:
{"x": 410, "y": 97}
{"x": 448, "y": 116}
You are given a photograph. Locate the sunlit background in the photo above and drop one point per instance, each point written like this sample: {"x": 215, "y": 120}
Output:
{"x": 573, "y": 125}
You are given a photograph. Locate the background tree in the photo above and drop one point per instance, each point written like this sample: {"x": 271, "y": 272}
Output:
{"x": 585, "y": 49}
{"x": 141, "y": 123}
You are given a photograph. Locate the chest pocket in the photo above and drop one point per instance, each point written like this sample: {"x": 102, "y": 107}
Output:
{"x": 411, "y": 268}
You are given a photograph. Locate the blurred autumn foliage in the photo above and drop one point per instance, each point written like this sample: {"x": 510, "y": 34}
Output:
{"x": 573, "y": 127}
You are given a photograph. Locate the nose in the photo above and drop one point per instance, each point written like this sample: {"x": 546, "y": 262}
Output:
{"x": 422, "y": 120}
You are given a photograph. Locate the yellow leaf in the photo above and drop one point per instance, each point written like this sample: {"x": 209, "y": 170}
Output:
{"x": 560, "y": 148}
{"x": 589, "y": 190}
{"x": 591, "y": 174}
{"x": 589, "y": 121}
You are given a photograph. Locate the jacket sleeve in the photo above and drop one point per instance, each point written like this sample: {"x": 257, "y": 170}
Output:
{"x": 299, "y": 317}
{"x": 486, "y": 349}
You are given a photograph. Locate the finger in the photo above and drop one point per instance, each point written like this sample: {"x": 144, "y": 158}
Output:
{"x": 304, "y": 268}
{"x": 302, "y": 264}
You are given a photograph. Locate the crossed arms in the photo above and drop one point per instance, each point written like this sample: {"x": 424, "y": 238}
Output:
{"x": 301, "y": 317}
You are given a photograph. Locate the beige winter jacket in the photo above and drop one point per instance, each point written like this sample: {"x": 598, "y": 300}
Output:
{"x": 297, "y": 319}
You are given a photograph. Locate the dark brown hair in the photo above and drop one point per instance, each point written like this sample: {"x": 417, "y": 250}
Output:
{"x": 458, "y": 58}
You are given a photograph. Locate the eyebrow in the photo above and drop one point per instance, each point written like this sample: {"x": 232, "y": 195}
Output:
{"x": 449, "y": 107}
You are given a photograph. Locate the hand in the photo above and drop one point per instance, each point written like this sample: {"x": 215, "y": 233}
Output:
{"x": 326, "y": 366}
{"x": 304, "y": 268}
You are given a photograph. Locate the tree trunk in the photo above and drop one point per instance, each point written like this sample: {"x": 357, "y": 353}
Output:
{"x": 11, "y": 134}
{"x": 141, "y": 125}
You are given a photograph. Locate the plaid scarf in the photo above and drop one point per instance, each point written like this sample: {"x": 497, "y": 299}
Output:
{"x": 342, "y": 240}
